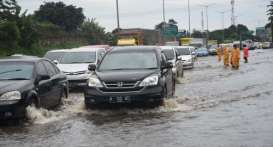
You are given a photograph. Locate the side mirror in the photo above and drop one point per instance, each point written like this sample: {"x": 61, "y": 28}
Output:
{"x": 42, "y": 78}
{"x": 168, "y": 65}
{"x": 92, "y": 67}
{"x": 56, "y": 62}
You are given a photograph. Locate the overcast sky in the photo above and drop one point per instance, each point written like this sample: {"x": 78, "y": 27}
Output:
{"x": 148, "y": 13}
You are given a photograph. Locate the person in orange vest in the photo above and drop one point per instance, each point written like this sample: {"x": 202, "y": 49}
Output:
{"x": 226, "y": 56}
{"x": 235, "y": 57}
{"x": 245, "y": 50}
{"x": 219, "y": 53}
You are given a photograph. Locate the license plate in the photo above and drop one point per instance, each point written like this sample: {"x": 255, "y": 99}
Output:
{"x": 120, "y": 99}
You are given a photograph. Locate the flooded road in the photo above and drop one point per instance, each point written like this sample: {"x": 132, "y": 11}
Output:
{"x": 214, "y": 107}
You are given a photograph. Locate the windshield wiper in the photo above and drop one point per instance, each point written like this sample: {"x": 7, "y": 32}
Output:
{"x": 4, "y": 72}
{"x": 16, "y": 79}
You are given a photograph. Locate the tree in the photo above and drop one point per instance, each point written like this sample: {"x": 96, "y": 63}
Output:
{"x": 9, "y": 36}
{"x": 94, "y": 33}
{"x": 197, "y": 34}
{"x": 270, "y": 17}
{"x": 68, "y": 17}
{"x": 9, "y": 10}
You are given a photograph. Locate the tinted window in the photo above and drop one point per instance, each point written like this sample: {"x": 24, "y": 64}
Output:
{"x": 15, "y": 70}
{"x": 78, "y": 57}
{"x": 41, "y": 70}
{"x": 183, "y": 51}
{"x": 54, "y": 55}
{"x": 170, "y": 55}
{"x": 50, "y": 68}
{"x": 101, "y": 54}
{"x": 129, "y": 60}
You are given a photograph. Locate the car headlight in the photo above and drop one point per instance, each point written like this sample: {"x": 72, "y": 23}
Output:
{"x": 94, "y": 82}
{"x": 11, "y": 97}
{"x": 150, "y": 81}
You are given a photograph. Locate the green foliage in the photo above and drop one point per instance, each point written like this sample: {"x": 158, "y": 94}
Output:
{"x": 9, "y": 37}
{"x": 53, "y": 26}
{"x": 270, "y": 17}
{"x": 9, "y": 10}
{"x": 93, "y": 32}
{"x": 232, "y": 33}
{"x": 67, "y": 17}
{"x": 198, "y": 34}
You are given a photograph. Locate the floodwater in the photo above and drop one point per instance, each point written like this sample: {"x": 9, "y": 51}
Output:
{"x": 214, "y": 107}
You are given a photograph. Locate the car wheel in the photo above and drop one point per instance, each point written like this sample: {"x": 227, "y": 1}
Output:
{"x": 62, "y": 97}
{"x": 173, "y": 88}
{"x": 34, "y": 102}
{"x": 164, "y": 93}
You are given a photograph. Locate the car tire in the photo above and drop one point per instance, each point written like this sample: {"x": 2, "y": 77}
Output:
{"x": 34, "y": 102}
{"x": 164, "y": 94}
{"x": 62, "y": 97}
{"x": 173, "y": 88}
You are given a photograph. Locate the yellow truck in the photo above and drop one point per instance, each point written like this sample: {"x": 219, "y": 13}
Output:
{"x": 138, "y": 36}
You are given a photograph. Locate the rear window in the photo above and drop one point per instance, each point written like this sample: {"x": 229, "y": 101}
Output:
{"x": 78, "y": 57}
{"x": 54, "y": 55}
{"x": 183, "y": 51}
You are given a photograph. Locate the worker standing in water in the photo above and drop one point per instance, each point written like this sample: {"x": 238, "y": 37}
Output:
{"x": 235, "y": 57}
{"x": 219, "y": 53}
{"x": 245, "y": 50}
{"x": 226, "y": 56}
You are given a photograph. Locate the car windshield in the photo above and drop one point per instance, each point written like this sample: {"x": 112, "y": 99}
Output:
{"x": 15, "y": 71}
{"x": 169, "y": 54}
{"x": 202, "y": 50}
{"x": 54, "y": 55}
{"x": 183, "y": 51}
{"x": 129, "y": 60}
{"x": 78, "y": 57}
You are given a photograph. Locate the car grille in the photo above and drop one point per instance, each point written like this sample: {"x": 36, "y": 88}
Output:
{"x": 114, "y": 85}
{"x": 74, "y": 73}
{"x": 120, "y": 87}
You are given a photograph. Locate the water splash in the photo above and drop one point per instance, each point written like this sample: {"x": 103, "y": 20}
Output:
{"x": 42, "y": 116}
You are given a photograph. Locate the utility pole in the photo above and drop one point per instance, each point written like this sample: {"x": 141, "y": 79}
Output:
{"x": 117, "y": 7}
{"x": 189, "y": 13}
{"x": 164, "y": 18}
{"x": 223, "y": 23}
{"x": 232, "y": 12}
{"x": 202, "y": 20}
{"x": 206, "y": 6}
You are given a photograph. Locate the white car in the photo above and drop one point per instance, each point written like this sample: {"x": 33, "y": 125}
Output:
{"x": 56, "y": 55}
{"x": 187, "y": 55}
{"x": 75, "y": 63}
{"x": 171, "y": 55}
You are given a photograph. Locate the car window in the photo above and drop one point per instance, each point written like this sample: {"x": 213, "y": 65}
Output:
{"x": 170, "y": 55}
{"x": 183, "y": 51}
{"x": 79, "y": 57}
{"x": 54, "y": 55}
{"x": 40, "y": 68}
{"x": 129, "y": 60}
{"x": 11, "y": 70}
{"x": 101, "y": 53}
{"x": 50, "y": 68}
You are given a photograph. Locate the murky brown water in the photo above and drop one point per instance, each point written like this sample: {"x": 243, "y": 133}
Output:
{"x": 214, "y": 107}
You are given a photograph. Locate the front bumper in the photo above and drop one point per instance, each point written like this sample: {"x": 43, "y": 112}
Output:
{"x": 187, "y": 64}
{"x": 13, "y": 111}
{"x": 146, "y": 94}
{"x": 77, "y": 80}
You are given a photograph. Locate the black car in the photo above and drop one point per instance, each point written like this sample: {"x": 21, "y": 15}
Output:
{"x": 29, "y": 81}
{"x": 130, "y": 75}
